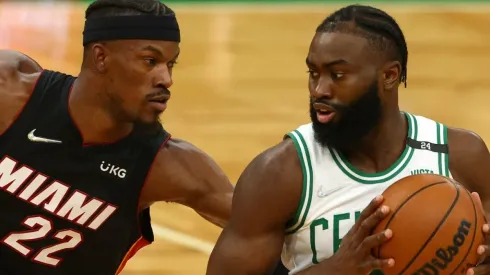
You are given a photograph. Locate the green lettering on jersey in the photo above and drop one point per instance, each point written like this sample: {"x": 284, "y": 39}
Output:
{"x": 324, "y": 224}
{"x": 421, "y": 171}
{"x": 336, "y": 229}
{"x": 357, "y": 215}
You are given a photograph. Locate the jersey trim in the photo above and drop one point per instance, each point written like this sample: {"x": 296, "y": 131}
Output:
{"x": 448, "y": 173}
{"x": 304, "y": 156}
{"x": 142, "y": 240}
{"x": 140, "y": 243}
{"x": 372, "y": 178}
{"x": 443, "y": 159}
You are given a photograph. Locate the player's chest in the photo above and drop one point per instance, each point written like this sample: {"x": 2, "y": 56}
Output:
{"x": 69, "y": 163}
{"x": 333, "y": 208}
{"x": 84, "y": 190}
{"x": 325, "y": 229}
{"x": 33, "y": 173}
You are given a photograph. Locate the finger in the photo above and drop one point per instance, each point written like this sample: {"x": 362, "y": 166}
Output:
{"x": 368, "y": 211}
{"x": 484, "y": 252}
{"x": 486, "y": 229}
{"x": 483, "y": 269}
{"x": 476, "y": 198}
{"x": 375, "y": 240}
{"x": 368, "y": 225}
{"x": 374, "y": 263}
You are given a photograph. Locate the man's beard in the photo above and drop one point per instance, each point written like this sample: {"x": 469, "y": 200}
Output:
{"x": 147, "y": 129}
{"x": 354, "y": 122}
{"x": 155, "y": 126}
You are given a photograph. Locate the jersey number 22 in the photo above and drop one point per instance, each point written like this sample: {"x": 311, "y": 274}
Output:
{"x": 41, "y": 228}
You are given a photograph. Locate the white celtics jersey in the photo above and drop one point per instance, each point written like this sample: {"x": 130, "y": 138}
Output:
{"x": 335, "y": 192}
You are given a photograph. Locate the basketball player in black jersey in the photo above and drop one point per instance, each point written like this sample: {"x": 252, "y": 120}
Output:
{"x": 356, "y": 61}
{"x": 83, "y": 158}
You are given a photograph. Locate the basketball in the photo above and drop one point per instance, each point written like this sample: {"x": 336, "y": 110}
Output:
{"x": 436, "y": 226}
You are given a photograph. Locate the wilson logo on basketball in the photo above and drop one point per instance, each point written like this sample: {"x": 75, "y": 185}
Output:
{"x": 444, "y": 256}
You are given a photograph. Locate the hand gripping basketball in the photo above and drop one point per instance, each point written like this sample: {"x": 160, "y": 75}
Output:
{"x": 354, "y": 255}
{"x": 483, "y": 250}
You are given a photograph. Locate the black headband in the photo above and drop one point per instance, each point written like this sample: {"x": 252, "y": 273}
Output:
{"x": 144, "y": 27}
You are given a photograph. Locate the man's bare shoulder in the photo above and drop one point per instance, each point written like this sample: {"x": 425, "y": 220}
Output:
{"x": 18, "y": 76}
{"x": 12, "y": 62}
{"x": 275, "y": 173}
{"x": 177, "y": 150}
{"x": 18, "y": 73}
{"x": 181, "y": 170}
{"x": 277, "y": 159}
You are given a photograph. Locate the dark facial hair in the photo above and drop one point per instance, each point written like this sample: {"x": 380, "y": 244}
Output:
{"x": 152, "y": 128}
{"x": 147, "y": 129}
{"x": 355, "y": 120}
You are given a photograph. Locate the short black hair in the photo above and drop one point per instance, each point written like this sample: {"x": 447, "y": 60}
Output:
{"x": 380, "y": 29}
{"x": 103, "y": 8}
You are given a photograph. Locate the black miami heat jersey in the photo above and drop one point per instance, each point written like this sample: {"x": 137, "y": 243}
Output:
{"x": 69, "y": 208}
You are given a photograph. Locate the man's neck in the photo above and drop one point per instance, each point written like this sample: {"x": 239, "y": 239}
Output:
{"x": 95, "y": 123}
{"x": 382, "y": 147}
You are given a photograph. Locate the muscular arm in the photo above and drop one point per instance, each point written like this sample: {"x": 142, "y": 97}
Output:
{"x": 469, "y": 163}
{"x": 266, "y": 197}
{"x": 12, "y": 62}
{"x": 184, "y": 174}
{"x": 18, "y": 74}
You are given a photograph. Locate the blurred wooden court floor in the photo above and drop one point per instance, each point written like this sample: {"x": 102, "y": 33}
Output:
{"x": 241, "y": 83}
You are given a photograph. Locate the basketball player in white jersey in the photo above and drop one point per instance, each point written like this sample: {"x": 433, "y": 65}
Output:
{"x": 316, "y": 195}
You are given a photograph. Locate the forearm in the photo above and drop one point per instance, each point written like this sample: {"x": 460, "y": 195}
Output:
{"x": 215, "y": 208}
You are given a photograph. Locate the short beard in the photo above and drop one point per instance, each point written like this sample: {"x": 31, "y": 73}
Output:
{"x": 147, "y": 129}
{"x": 355, "y": 121}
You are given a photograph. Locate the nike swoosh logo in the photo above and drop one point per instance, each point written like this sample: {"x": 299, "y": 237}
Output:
{"x": 322, "y": 194}
{"x": 33, "y": 138}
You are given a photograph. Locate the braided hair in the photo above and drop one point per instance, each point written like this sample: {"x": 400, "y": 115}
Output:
{"x": 379, "y": 28}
